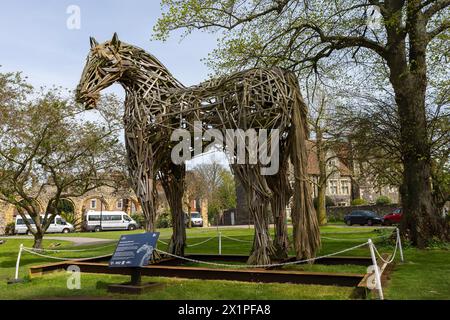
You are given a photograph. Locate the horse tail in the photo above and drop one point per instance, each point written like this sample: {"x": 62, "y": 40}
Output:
{"x": 304, "y": 218}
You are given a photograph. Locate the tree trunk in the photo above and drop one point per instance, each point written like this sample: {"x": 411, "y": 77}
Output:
{"x": 356, "y": 191}
{"x": 421, "y": 220}
{"x": 38, "y": 238}
{"x": 322, "y": 184}
{"x": 321, "y": 204}
{"x": 126, "y": 205}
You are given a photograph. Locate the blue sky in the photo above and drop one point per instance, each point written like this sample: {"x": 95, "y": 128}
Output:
{"x": 35, "y": 39}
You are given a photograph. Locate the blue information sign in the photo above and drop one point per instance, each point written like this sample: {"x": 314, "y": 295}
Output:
{"x": 134, "y": 250}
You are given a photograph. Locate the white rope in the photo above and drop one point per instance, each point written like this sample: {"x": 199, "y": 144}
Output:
{"x": 78, "y": 250}
{"x": 62, "y": 259}
{"x": 357, "y": 232}
{"x": 357, "y": 239}
{"x": 190, "y": 245}
{"x": 238, "y": 240}
{"x": 261, "y": 265}
{"x": 199, "y": 243}
{"x": 393, "y": 254}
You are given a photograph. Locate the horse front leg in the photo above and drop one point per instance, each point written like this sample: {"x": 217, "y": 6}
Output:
{"x": 143, "y": 180}
{"x": 173, "y": 181}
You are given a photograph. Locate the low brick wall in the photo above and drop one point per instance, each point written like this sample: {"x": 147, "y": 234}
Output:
{"x": 338, "y": 213}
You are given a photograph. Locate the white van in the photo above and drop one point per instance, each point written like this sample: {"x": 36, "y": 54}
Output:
{"x": 108, "y": 220}
{"x": 58, "y": 225}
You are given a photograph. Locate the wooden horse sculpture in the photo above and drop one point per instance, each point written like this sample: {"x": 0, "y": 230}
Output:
{"x": 156, "y": 104}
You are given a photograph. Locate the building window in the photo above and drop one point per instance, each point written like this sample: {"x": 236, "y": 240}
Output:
{"x": 93, "y": 204}
{"x": 120, "y": 204}
{"x": 333, "y": 187}
{"x": 332, "y": 164}
{"x": 345, "y": 187}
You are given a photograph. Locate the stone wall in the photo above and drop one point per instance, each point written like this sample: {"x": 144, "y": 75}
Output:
{"x": 338, "y": 213}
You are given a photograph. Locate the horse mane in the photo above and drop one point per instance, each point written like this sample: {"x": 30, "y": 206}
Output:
{"x": 145, "y": 61}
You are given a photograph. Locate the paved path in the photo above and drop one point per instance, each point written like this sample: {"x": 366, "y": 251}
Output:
{"x": 77, "y": 241}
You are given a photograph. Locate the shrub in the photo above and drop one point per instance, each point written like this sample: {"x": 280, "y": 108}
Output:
{"x": 164, "y": 220}
{"x": 383, "y": 200}
{"x": 334, "y": 219}
{"x": 72, "y": 218}
{"x": 359, "y": 202}
{"x": 9, "y": 229}
{"x": 139, "y": 218}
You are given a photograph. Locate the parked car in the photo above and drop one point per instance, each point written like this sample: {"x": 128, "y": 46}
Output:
{"x": 58, "y": 225}
{"x": 108, "y": 220}
{"x": 196, "y": 219}
{"x": 393, "y": 218}
{"x": 362, "y": 217}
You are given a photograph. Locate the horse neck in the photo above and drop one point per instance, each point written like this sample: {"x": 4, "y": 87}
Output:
{"x": 147, "y": 79}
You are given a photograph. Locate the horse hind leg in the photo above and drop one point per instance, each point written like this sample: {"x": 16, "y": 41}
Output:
{"x": 258, "y": 197}
{"x": 282, "y": 192}
{"x": 304, "y": 219}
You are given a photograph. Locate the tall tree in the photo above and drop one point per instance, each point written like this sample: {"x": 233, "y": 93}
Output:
{"x": 323, "y": 145}
{"x": 372, "y": 125}
{"x": 317, "y": 33}
{"x": 218, "y": 186}
{"x": 195, "y": 189}
{"x": 46, "y": 153}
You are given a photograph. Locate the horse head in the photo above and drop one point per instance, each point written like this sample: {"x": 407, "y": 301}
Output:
{"x": 104, "y": 66}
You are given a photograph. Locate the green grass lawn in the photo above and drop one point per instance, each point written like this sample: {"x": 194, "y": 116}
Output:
{"x": 425, "y": 275}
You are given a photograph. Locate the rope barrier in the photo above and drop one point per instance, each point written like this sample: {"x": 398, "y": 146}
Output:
{"x": 377, "y": 271}
{"x": 261, "y": 265}
{"x": 356, "y": 239}
{"x": 393, "y": 254}
{"x": 202, "y": 242}
{"x": 78, "y": 250}
{"x": 191, "y": 245}
{"x": 238, "y": 240}
{"x": 59, "y": 258}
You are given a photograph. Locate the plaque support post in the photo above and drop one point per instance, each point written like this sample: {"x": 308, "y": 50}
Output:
{"x": 136, "y": 277}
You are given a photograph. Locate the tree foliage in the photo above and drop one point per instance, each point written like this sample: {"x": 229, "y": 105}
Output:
{"x": 48, "y": 152}
{"x": 217, "y": 186}
{"x": 391, "y": 47}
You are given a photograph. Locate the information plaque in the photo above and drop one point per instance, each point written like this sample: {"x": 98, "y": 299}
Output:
{"x": 134, "y": 250}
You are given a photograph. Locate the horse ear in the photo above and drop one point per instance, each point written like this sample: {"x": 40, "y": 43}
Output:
{"x": 115, "y": 40}
{"x": 94, "y": 42}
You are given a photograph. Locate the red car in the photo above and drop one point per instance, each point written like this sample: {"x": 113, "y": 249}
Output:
{"x": 393, "y": 218}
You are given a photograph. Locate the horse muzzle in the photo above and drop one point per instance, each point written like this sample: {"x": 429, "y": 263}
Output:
{"x": 89, "y": 101}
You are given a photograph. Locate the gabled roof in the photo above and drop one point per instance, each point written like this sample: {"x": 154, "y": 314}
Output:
{"x": 313, "y": 162}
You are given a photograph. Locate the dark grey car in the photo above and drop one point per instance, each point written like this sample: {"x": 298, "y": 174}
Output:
{"x": 362, "y": 217}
